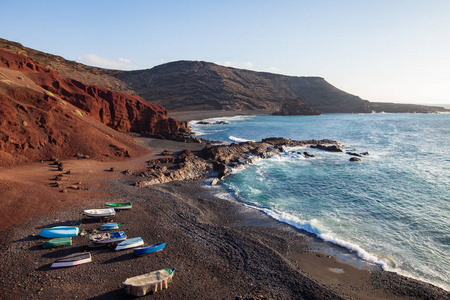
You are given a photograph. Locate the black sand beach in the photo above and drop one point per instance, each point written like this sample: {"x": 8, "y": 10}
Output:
{"x": 219, "y": 248}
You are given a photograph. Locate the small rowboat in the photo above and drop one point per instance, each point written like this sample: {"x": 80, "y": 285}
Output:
{"x": 72, "y": 260}
{"x": 150, "y": 282}
{"x": 110, "y": 226}
{"x": 119, "y": 205}
{"x": 99, "y": 213}
{"x": 130, "y": 243}
{"x": 59, "y": 231}
{"x": 149, "y": 249}
{"x": 57, "y": 243}
{"x": 108, "y": 238}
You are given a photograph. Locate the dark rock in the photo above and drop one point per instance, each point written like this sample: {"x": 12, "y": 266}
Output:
{"x": 306, "y": 154}
{"x": 166, "y": 152}
{"x": 331, "y": 148}
{"x": 355, "y": 159}
{"x": 296, "y": 107}
{"x": 353, "y": 154}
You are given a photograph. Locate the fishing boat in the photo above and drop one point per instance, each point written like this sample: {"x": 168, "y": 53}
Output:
{"x": 59, "y": 231}
{"x": 110, "y": 226}
{"x": 108, "y": 238}
{"x": 99, "y": 213}
{"x": 72, "y": 260}
{"x": 57, "y": 243}
{"x": 119, "y": 205}
{"x": 149, "y": 249}
{"x": 130, "y": 243}
{"x": 150, "y": 282}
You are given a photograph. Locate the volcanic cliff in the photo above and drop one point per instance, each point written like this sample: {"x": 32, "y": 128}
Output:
{"x": 43, "y": 115}
{"x": 197, "y": 85}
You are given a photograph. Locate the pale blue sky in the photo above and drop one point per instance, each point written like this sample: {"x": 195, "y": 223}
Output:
{"x": 397, "y": 50}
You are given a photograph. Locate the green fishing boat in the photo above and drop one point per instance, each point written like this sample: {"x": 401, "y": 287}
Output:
{"x": 119, "y": 205}
{"x": 57, "y": 243}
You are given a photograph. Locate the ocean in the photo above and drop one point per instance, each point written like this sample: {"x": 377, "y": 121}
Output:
{"x": 392, "y": 208}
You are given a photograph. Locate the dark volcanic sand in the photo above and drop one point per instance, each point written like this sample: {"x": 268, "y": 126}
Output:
{"x": 220, "y": 249}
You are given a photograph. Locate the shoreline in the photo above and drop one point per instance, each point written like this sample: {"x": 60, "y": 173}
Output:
{"x": 220, "y": 248}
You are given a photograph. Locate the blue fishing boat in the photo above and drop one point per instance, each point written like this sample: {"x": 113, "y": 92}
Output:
{"x": 110, "y": 226}
{"x": 149, "y": 249}
{"x": 130, "y": 243}
{"x": 59, "y": 231}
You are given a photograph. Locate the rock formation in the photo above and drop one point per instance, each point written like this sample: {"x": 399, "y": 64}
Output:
{"x": 43, "y": 115}
{"x": 217, "y": 161}
{"x": 296, "y": 107}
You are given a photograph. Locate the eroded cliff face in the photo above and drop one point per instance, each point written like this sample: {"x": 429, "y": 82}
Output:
{"x": 43, "y": 115}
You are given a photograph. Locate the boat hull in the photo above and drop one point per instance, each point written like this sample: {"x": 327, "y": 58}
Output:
{"x": 59, "y": 232}
{"x": 110, "y": 226}
{"x": 130, "y": 243}
{"x": 141, "y": 285}
{"x": 57, "y": 243}
{"x": 149, "y": 249}
{"x": 120, "y": 205}
{"x": 99, "y": 213}
{"x": 73, "y": 260}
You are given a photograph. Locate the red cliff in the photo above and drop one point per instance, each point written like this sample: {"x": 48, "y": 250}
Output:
{"x": 44, "y": 115}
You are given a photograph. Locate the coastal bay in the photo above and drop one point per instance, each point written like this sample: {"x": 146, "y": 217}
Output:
{"x": 221, "y": 249}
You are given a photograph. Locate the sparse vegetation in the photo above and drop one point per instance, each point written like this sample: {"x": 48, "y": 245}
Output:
{"x": 50, "y": 94}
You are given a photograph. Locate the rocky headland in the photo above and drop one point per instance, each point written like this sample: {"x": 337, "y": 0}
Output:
{"x": 218, "y": 161}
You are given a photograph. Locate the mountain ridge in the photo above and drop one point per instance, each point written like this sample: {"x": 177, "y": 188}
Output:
{"x": 197, "y": 85}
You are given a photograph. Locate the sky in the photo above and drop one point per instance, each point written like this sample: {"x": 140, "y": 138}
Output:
{"x": 384, "y": 51}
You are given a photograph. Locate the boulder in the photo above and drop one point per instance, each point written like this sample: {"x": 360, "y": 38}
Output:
{"x": 355, "y": 159}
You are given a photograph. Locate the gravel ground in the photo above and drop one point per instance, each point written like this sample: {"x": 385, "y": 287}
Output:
{"x": 220, "y": 249}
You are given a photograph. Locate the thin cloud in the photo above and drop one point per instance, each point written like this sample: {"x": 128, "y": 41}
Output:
{"x": 95, "y": 60}
{"x": 241, "y": 65}
{"x": 248, "y": 66}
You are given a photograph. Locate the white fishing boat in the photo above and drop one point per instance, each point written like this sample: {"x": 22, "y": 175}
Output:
{"x": 72, "y": 260}
{"x": 130, "y": 243}
{"x": 99, "y": 213}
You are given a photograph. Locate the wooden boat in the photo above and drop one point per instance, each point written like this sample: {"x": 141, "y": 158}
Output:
{"x": 72, "y": 260}
{"x": 130, "y": 243}
{"x": 59, "y": 231}
{"x": 119, "y": 205}
{"x": 149, "y": 249}
{"x": 57, "y": 243}
{"x": 110, "y": 226}
{"x": 150, "y": 282}
{"x": 108, "y": 238}
{"x": 99, "y": 213}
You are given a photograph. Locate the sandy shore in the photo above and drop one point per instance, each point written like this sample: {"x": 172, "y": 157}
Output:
{"x": 220, "y": 249}
{"x": 206, "y": 114}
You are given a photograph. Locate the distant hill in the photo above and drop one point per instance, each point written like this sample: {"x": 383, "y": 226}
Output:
{"x": 197, "y": 85}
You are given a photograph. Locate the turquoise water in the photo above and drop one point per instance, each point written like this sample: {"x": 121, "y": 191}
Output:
{"x": 392, "y": 208}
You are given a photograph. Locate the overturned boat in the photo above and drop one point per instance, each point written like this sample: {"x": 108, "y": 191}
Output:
{"x": 130, "y": 243}
{"x": 72, "y": 260}
{"x": 99, "y": 213}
